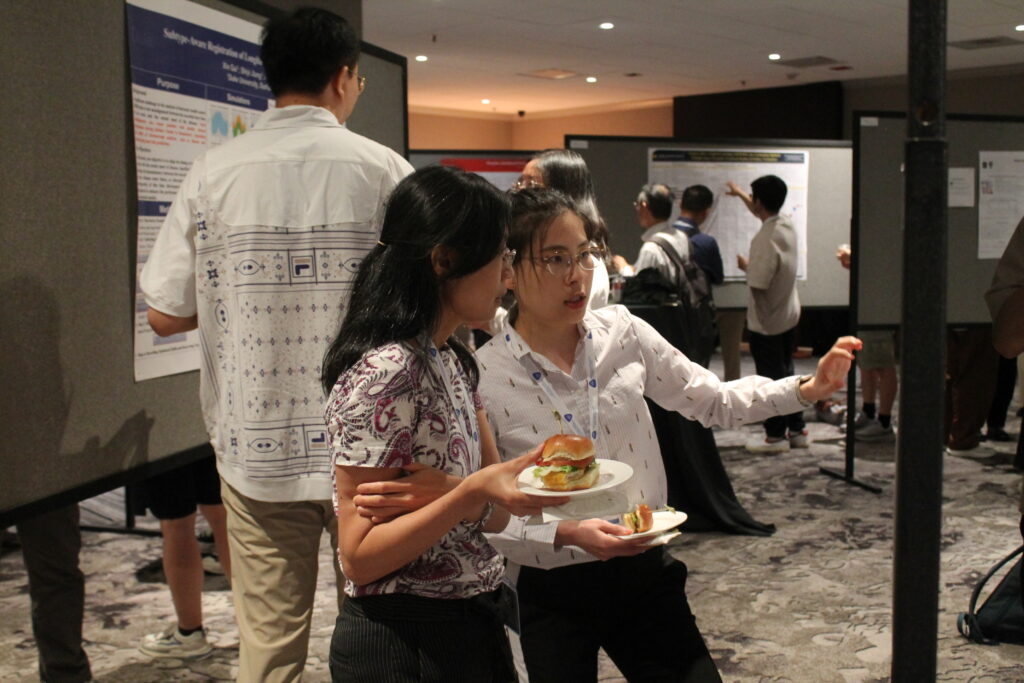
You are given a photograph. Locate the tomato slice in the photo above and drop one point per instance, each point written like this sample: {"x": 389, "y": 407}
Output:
{"x": 561, "y": 462}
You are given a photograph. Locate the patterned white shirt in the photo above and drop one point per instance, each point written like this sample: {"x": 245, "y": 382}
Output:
{"x": 390, "y": 410}
{"x": 263, "y": 241}
{"x": 632, "y": 361}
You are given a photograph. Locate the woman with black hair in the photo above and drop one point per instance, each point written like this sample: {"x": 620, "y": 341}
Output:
{"x": 424, "y": 588}
{"x": 566, "y": 171}
{"x": 581, "y": 585}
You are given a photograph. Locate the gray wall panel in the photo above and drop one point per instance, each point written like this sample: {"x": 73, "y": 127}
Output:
{"x": 71, "y": 411}
{"x": 879, "y": 238}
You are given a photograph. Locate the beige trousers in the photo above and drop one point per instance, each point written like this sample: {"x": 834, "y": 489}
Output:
{"x": 730, "y": 334}
{"x": 274, "y": 562}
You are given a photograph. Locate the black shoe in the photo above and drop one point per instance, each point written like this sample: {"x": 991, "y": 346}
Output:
{"x": 998, "y": 435}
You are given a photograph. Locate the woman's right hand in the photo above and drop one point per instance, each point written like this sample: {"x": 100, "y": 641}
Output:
{"x": 602, "y": 539}
{"x": 497, "y": 483}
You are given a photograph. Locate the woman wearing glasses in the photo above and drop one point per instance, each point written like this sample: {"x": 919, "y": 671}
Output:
{"x": 581, "y": 584}
{"x": 566, "y": 171}
{"x": 424, "y": 588}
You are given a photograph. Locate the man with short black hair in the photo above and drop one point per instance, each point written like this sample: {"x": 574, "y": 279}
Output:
{"x": 773, "y": 308}
{"x": 259, "y": 251}
{"x": 694, "y": 208}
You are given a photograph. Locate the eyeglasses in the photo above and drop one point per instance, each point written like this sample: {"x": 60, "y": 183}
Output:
{"x": 523, "y": 183}
{"x": 508, "y": 257}
{"x": 361, "y": 82}
{"x": 559, "y": 263}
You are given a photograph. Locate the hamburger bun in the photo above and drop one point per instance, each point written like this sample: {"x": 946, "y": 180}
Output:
{"x": 639, "y": 520}
{"x": 567, "y": 463}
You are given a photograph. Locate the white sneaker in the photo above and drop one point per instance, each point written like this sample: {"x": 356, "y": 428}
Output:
{"x": 169, "y": 643}
{"x": 764, "y": 444}
{"x": 799, "y": 439}
{"x": 977, "y": 453}
{"x": 874, "y": 431}
{"x": 211, "y": 565}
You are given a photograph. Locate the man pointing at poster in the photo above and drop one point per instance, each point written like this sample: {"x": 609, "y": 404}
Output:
{"x": 773, "y": 310}
{"x": 258, "y": 251}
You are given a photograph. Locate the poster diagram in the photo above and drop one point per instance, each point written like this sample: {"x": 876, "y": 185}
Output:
{"x": 197, "y": 82}
{"x": 730, "y": 223}
{"x": 1000, "y": 200}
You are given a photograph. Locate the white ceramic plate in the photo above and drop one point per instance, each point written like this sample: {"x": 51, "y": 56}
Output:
{"x": 612, "y": 474}
{"x": 663, "y": 521}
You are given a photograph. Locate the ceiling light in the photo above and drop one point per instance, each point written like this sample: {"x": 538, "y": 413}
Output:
{"x": 775, "y": 56}
{"x": 591, "y": 79}
{"x": 1019, "y": 27}
{"x": 485, "y": 101}
{"x": 421, "y": 58}
{"x": 607, "y": 26}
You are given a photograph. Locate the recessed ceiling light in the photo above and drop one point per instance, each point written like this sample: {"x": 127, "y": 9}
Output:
{"x": 1019, "y": 27}
{"x": 421, "y": 58}
{"x": 591, "y": 79}
{"x": 607, "y": 26}
{"x": 775, "y": 56}
{"x": 485, "y": 101}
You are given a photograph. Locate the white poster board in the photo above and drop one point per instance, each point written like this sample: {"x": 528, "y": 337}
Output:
{"x": 730, "y": 223}
{"x": 1000, "y": 200}
{"x": 197, "y": 81}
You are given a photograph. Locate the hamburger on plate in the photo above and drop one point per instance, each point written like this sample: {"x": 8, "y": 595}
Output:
{"x": 567, "y": 464}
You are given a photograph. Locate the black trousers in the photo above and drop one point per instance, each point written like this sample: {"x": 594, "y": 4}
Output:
{"x": 773, "y": 358}
{"x": 1006, "y": 382}
{"x": 633, "y": 607}
{"x": 50, "y": 544}
{"x": 398, "y": 638}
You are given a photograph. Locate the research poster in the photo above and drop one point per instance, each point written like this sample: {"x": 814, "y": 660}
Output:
{"x": 197, "y": 81}
{"x": 730, "y": 222}
{"x": 501, "y": 172}
{"x": 1000, "y": 200}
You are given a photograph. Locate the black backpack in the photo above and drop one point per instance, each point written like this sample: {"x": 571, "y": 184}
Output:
{"x": 1001, "y": 617}
{"x": 697, "y": 302}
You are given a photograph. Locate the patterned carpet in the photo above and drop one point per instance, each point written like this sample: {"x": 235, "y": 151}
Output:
{"x": 810, "y": 604}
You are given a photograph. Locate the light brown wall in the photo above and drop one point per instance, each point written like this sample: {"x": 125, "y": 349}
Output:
{"x": 544, "y": 133}
{"x": 442, "y": 131}
{"x": 437, "y": 131}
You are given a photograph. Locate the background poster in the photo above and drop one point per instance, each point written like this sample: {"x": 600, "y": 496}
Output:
{"x": 730, "y": 223}
{"x": 1000, "y": 200}
{"x": 501, "y": 172}
{"x": 197, "y": 81}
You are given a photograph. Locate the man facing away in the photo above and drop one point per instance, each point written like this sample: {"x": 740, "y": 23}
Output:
{"x": 773, "y": 308}
{"x": 653, "y": 207}
{"x": 259, "y": 250}
{"x": 694, "y": 208}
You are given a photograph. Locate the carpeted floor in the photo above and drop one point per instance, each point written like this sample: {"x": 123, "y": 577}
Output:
{"x": 810, "y": 604}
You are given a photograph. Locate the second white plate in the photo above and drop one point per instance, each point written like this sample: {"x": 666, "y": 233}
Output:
{"x": 612, "y": 474}
{"x": 663, "y": 521}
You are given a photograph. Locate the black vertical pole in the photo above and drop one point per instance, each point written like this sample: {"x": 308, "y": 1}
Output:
{"x": 920, "y": 444}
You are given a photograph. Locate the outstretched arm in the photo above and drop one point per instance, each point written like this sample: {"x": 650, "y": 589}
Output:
{"x": 834, "y": 366}
{"x": 736, "y": 191}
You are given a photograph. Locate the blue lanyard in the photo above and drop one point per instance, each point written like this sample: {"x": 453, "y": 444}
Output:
{"x": 461, "y": 408}
{"x": 535, "y": 372}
